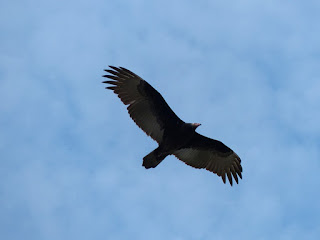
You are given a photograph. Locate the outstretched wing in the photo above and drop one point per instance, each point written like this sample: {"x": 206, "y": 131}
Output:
{"x": 213, "y": 155}
{"x": 146, "y": 107}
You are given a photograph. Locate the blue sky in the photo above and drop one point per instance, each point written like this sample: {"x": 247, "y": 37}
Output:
{"x": 70, "y": 156}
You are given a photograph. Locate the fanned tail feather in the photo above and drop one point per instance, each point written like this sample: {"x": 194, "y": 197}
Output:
{"x": 152, "y": 159}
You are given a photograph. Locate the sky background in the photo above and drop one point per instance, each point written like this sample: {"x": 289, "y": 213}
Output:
{"x": 70, "y": 156}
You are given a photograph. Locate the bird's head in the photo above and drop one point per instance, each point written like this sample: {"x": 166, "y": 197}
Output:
{"x": 195, "y": 125}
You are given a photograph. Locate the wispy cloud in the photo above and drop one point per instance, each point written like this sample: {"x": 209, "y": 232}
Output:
{"x": 70, "y": 156}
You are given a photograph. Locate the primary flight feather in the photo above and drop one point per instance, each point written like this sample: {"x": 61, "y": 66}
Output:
{"x": 152, "y": 114}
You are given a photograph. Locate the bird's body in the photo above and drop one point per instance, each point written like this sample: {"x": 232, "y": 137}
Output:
{"x": 174, "y": 138}
{"x": 153, "y": 115}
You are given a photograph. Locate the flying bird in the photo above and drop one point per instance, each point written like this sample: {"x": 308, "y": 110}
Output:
{"x": 152, "y": 114}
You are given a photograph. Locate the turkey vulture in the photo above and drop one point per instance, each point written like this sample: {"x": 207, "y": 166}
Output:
{"x": 152, "y": 114}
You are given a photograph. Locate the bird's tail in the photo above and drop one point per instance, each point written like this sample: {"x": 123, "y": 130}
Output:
{"x": 153, "y": 159}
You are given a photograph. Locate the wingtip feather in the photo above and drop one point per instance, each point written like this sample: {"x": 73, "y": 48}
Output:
{"x": 234, "y": 174}
{"x": 229, "y": 178}
{"x": 223, "y": 176}
{"x": 111, "y": 82}
{"x": 111, "y": 88}
{"x": 114, "y": 68}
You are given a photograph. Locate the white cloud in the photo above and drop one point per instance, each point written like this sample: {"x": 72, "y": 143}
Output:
{"x": 70, "y": 161}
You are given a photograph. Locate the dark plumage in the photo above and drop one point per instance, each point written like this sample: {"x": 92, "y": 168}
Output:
{"x": 153, "y": 115}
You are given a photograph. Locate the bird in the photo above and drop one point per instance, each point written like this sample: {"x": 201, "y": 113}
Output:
{"x": 153, "y": 115}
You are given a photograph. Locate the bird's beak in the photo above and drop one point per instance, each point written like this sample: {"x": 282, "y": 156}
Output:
{"x": 196, "y": 124}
